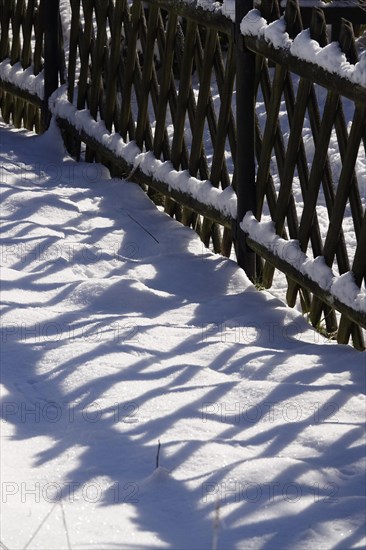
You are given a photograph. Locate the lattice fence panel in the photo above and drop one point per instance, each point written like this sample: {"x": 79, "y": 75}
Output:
{"x": 164, "y": 81}
{"x": 307, "y": 177}
{"x": 21, "y": 47}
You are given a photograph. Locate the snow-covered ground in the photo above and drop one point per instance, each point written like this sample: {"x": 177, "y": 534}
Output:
{"x": 119, "y": 330}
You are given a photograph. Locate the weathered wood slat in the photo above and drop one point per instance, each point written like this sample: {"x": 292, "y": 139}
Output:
{"x": 38, "y": 35}
{"x": 209, "y": 231}
{"x": 175, "y": 40}
{"x": 147, "y": 70}
{"x": 85, "y": 42}
{"x": 101, "y": 8}
{"x": 197, "y": 157}
{"x": 31, "y": 113}
{"x": 26, "y": 57}
{"x": 319, "y": 160}
{"x": 192, "y": 104}
{"x": 137, "y": 81}
{"x": 165, "y": 84}
{"x": 111, "y": 86}
{"x": 129, "y": 67}
{"x": 7, "y": 8}
{"x": 74, "y": 39}
{"x": 269, "y": 136}
{"x": 221, "y": 81}
{"x": 184, "y": 92}
{"x": 202, "y": 102}
{"x": 354, "y": 197}
{"x": 183, "y": 104}
{"x": 343, "y": 190}
{"x": 218, "y": 161}
{"x": 157, "y": 88}
{"x": 17, "y": 20}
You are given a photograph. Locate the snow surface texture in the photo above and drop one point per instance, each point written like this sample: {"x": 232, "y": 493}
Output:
{"x": 330, "y": 57}
{"x": 343, "y": 286}
{"x": 118, "y": 330}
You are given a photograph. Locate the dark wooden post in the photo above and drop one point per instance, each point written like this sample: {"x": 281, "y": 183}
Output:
{"x": 51, "y": 53}
{"x": 245, "y": 158}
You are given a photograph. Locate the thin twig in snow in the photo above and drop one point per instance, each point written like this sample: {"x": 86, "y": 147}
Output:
{"x": 3, "y": 547}
{"x": 216, "y": 525}
{"x": 157, "y": 455}
{"x": 65, "y": 525}
{"x": 144, "y": 228}
{"x": 40, "y": 526}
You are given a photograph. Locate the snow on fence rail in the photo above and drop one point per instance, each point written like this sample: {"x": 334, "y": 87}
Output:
{"x": 164, "y": 92}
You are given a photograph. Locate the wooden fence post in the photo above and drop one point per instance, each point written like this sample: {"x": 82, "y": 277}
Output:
{"x": 245, "y": 157}
{"x": 51, "y": 53}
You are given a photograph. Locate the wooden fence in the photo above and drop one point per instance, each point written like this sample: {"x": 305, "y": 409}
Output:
{"x": 189, "y": 86}
{"x": 30, "y": 47}
{"x": 316, "y": 178}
